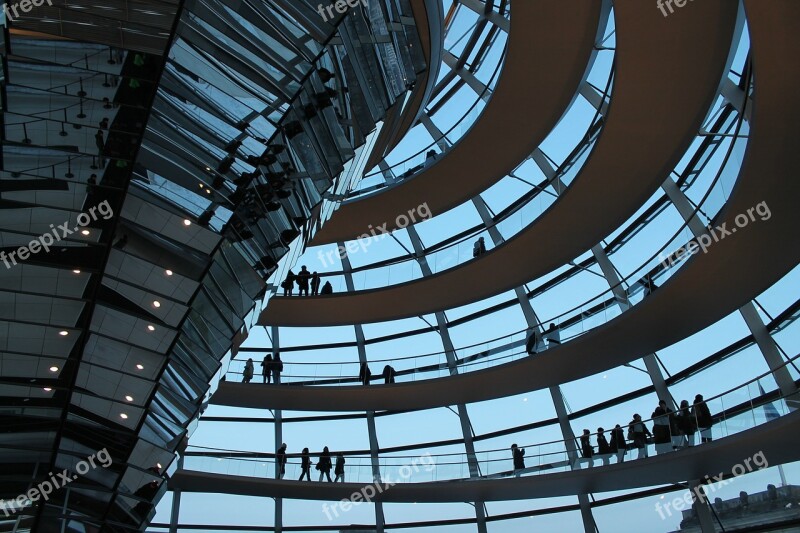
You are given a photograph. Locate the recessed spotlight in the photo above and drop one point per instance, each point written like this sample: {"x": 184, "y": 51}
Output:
{"x": 151, "y": 327}
{"x": 123, "y": 416}
{"x": 53, "y": 369}
{"x": 139, "y": 366}
{"x": 208, "y": 168}
{"x": 168, "y": 272}
{"x": 63, "y": 333}
{"x": 129, "y": 398}
{"x": 158, "y": 465}
{"x": 156, "y": 303}
{"x": 47, "y": 389}
{"x": 201, "y": 185}
{"x": 187, "y": 222}
{"x": 76, "y": 271}
{"x": 85, "y": 232}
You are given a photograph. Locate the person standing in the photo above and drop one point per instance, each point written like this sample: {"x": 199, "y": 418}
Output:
{"x": 266, "y": 368}
{"x": 618, "y": 444}
{"x": 388, "y": 374}
{"x": 603, "y": 448}
{"x": 479, "y": 248}
{"x": 280, "y": 461}
{"x": 686, "y": 424}
{"x": 364, "y": 374}
{"x": 277, "y": 368}
{"x": 315, "y": 284}
{"x": 552, "y": 335}
{"x": 302, "y": 281}
{"x": 638, "y": 434}
{"x": 327, "y": 288}
{"x": 662, "y": 437}
{"x": 703, "y": 417}
{"x": 518, "y": 455}
{"x": 587, "y": 452}
{"x": 288, "y": 284}
{"x": 305, "y": 465}
{"x": 324, "y": 465}
{"x": 249, "y": 368}
{"x": 339, "y": 470}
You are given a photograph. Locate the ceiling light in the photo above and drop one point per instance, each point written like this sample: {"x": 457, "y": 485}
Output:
{"x": 151, "y": 327}
{"x": 47, "y": 389}
{"x": 63, "y": 333}
{"x": 156, "y": 303}
{"x": 123, "y": 416}
{"x": 187, "y": 222}
{"x": 168, "y": 272}
{"x": 85, "y": 232}
{"x": 129, "y": 398}
{"x": 158, "y": 465}
{"x": 139, "y": 366}
{"x": 53, "y": 369}
{"x": 76, "y": 271}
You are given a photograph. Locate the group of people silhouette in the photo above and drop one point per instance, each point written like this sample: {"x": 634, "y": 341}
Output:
{"x": 672, "y": 430}
{"x": 304, "y": 279}
{"x": 365, "y": 374}
{"x": 324, "y": 464}
{"x": 270, "y": 368}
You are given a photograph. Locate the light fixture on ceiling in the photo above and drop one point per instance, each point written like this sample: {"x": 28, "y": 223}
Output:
{"x": 47, "y": 389}
{"x": 53, "y": 369}
{"x": 76, "y": 271}
{"x": 151, "y": 327}
{"x": 139, "y": 366}
{"x": 156, "y": 304}
{"x": 85, "y": 232}
{"x": 123, "y": 416}
{"x": 168, "y": 272}
{"x": 129, "y": 398}
{"x": 63, "y": 333}
{"x": 187, "y": 222}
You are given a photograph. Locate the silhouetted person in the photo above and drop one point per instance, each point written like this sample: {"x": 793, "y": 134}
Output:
{"x": 288, "y": 284}
{"x": 146, "y": 492}
{"x": 248, "y": 371}
{"x": 618, "y": 444}
{"x": 639, "y": 434}
{"x": 518, "y": 455}
{"x": 100, "y": 142}
{"x": 532, "y": 343}
{"x": 430, "y": 157}
{"x": 339, "y": 470}
{"x": 552, "y": 335}
{"x": 280, "y": 461}
{"x": 266, "y": 368}
{"x": 305, "y": 465}
{"x": 479, "y": 248}
{"x": 661, "y": 428}
{"x": 315, "y": 283}
{"x": 587, "y": 452}
{"x": 687, "y": 426}
{"x": 91, "y": 184}
{"x": 277, "y": 367}
{"x": 364, "y": 374}
{"x": 388, "y": 374}
{"x": 324, "y": 465}
{"x": 327, "y": 288}
{"x": 302, "y": 281}
{"x": 703, "y": 417}
{"x": 603, "y": 447}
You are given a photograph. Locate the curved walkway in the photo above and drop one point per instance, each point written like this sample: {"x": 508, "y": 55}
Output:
{"x": 649, "y": 126}
{"x": 776, "y": 440}
{"x": 544, "y": 66}
{"x": 708, "y": 288}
